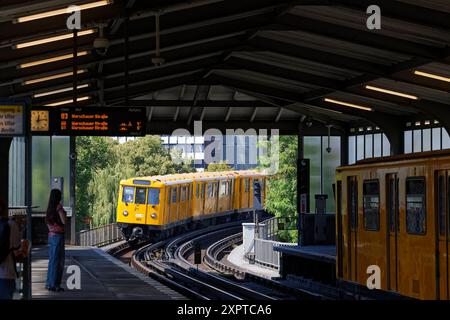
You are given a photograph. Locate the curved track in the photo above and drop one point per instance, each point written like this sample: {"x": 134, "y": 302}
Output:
{"x": 166, "y": 261}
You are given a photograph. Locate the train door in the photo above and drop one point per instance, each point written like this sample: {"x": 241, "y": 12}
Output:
{"x": 442, "y": 233}
{"x": 216, "y": 196}
{"x": 392, "y": 231}
{"x": 340, "y": 239}
{"x": 140, "y": 206}
{"x": 352, "y": 228}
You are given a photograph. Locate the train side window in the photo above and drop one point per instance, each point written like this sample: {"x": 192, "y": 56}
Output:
{"x": 210, "y": 190}
{"x": 174, "y": 195}
{"x": 153, "y": 196}
{"x": 140, "y": 195}
{"x": 353, "y": 201}
{"x": 371, "y": 203}
{"x": 223, "y": 188}
{"x": 415, "y": 206}
{"x": 128, "y": 195}
{"x": 183, "y": 194}
{"x": 441, "y": 204}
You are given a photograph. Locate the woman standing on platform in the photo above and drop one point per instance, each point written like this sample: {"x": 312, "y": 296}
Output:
{"x": 55, "y": 219}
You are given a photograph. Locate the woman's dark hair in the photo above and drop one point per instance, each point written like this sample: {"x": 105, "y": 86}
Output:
{"x": 52, "y": 216}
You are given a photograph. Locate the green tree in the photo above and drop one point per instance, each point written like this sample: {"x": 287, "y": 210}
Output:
{"x": 93, "y": 154}
{"x": 138, "y": 158}
{"x": 218, "y": 167}
{"x": 281, "y": 195}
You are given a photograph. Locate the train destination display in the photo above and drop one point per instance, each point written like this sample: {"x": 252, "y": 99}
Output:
{"x": 88, "y": 121}
{"x": 12, "y": 120}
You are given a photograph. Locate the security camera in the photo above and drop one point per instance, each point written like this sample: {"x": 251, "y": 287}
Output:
{"x": 309, "y": 123}
{"x": 101, "y": 45}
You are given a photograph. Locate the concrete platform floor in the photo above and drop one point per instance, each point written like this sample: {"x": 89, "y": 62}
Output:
{"x": 102, "y": 277}
{"x": 236, "y": 257}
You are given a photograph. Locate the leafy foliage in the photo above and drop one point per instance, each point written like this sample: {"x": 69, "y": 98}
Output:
{"x": 281, "y": 196}
{"x": 103, "y": 162}
{"x": 217, "y": 167}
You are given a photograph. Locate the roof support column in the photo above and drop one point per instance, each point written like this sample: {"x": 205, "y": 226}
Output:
{"x": 344, "y": 149}
{"x": 302, "y": 186}
{"x": 5, "y": 144}
{"x": 397, "y": 140}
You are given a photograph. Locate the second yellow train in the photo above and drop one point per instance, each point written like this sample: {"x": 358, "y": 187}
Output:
{"x": 161, "y": 206}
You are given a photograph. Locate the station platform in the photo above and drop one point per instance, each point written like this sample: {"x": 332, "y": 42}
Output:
{"x": 236, "y": 257}
{"x": 323, "y": 253}
{"x": 102, "y": 278}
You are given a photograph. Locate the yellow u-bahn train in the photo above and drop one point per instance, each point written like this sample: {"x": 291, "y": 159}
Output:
{"x": 394, "y": 213}
{"x": 160, "y": 206}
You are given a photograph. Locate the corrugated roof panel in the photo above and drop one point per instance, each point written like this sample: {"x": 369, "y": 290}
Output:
{"x": 356, "y": 19}
{"x": 298, "y": 64}
{"x": 336, "y": 46}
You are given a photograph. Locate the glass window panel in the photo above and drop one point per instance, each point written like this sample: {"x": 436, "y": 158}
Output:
{"x": 369, "y": 146}
{"x": 153, "y": 196}
{"x": 40, "y": 172}
{"x": 436, "y": 138}
{"x": 408, "y": 143}
{"x": 377, "y": 145}
{"x": 417, "y": 140}
{"x": 445, "y": 139}
{"x": 174, "y": 195}
{"x": 360, "y": 147}
{"x": 371, "y": 204}
{"x": 61, "y": 164}
{"x": 415, "y": 206}
{"x": 351, "y": 149}
{"x": 386, "y": 146}
{"x": 426, "y": 139}
{"x": 17, "y": 172}
{"x": 312, "y": 147}
{"x": 140, "y": 195}
{"x": 331, "y": 161}
{"x": 128, "y": 195}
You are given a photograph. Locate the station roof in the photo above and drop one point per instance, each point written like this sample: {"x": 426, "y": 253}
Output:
{"x": 240, "y": 64}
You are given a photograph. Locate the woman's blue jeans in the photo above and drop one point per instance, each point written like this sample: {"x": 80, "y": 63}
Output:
{"x": 7, "y": 288}
{"x": 56, "y": 260}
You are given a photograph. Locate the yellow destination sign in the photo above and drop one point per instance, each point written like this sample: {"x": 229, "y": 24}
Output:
{"x": 11, "y": 120}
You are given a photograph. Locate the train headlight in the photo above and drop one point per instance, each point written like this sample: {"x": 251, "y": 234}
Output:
{"x": 154, "y": 215}
{"x": 125, "y": 213}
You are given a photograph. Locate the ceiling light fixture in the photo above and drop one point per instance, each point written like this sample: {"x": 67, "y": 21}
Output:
{"x": 431, "y": 76}
{"x": 52, "y": 39}
{"x": 347, "y": 104}
{"x": 58, "y": 12}
{"x": 391, "y": 92}
{"x": 48, "y": 93}
{"x": 53, "y": 77}
{"x": 59, "y": 103}
{"x": 50, "y": 60}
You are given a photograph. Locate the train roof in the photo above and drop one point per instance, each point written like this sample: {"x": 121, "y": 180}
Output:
{"x": 181, "y": 178}
{"x": 402, "y": 157}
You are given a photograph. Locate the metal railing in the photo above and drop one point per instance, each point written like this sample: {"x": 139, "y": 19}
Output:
{"x": 272, "y": 226}
{"x": 265, "y": 255}
{"x": 99, "y": 236}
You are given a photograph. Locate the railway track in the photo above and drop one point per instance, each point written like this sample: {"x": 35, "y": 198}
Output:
{"x": 166, "y": 261}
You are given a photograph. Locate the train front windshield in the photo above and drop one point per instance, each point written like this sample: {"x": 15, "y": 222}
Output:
{"x": 129, "y": 195}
